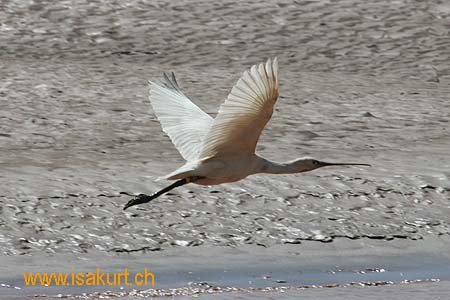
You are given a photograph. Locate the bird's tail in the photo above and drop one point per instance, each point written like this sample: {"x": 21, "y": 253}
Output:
{"x": 180, "y": 173}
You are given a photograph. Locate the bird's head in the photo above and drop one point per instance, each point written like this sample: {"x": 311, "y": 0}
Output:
{"x": 309, "y": 164}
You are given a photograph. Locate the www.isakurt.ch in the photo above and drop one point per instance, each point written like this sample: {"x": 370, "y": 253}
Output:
{"x": 89, "y": 278}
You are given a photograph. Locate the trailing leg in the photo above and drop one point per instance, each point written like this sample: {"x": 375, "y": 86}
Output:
{"x": 142, "y": 198}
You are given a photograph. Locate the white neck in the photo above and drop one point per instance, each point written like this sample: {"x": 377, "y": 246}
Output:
{"x": 271, "y": 167}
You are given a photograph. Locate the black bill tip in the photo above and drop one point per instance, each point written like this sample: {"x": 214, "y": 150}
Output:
{"x": 324, "y": 164}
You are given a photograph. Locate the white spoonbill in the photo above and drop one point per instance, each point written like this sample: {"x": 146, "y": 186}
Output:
{"x": 222, "y": 149}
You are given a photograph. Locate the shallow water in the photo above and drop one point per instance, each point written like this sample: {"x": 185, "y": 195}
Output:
{"x": 418, "y": 291}
{"x": 251, "y": 271}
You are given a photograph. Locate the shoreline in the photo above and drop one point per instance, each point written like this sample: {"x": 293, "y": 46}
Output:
{"x": 205, "y": 270}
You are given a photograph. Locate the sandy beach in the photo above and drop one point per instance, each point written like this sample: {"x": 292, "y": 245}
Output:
{"x": 359, "y": 81}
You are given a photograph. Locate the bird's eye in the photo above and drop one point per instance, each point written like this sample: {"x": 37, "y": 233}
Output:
{"x": 315, "y": 162}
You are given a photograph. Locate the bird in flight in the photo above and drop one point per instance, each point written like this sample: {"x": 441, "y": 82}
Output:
{"x": 222, "y": 150}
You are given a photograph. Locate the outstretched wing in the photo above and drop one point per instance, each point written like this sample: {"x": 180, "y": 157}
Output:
{"x": 183, "y": 121}
{"x": 245, "y": 112}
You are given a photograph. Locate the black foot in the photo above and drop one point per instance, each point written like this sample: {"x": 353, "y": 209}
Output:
{"x": 139, "y": 199}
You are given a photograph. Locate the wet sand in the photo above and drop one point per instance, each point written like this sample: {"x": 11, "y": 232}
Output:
{"x": 359, "y": 81}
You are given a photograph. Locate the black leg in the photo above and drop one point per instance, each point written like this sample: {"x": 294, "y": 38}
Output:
{"x": 142, "y": 198}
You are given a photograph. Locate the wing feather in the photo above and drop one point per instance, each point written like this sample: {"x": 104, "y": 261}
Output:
{"x": 183, "y": 121}
{"x": 245, "y": 113}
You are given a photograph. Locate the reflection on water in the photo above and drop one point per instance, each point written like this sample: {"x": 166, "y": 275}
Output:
{"x": 284, "y": 283}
